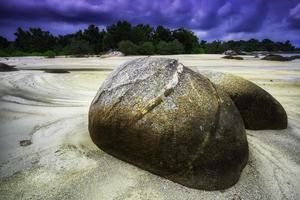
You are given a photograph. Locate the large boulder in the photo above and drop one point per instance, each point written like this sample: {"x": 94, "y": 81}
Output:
{"x": 258, "y": 108}
{"x": 276, "y": 58}
{"x": 167, "y": 119}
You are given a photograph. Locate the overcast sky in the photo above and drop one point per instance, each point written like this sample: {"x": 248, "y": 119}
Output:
{"x": 209, "y": 19}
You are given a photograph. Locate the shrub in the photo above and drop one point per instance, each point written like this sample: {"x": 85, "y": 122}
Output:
{"x": 61, "y": 53}
{"x": 4, "y": 54}
{"x": 49, "y": 54}
{"x": 162, "y": 48}
{"x": 166, "y": 48}
{"x": 198, "y": 50}
{"x": 175, "y": 47}
{"x": 146, "y": 48}
{"x": 77, "y": 48}
{"x": 127, "y": 47}
{"x": 18, "y": 53}
{"x": 35, "y": 54}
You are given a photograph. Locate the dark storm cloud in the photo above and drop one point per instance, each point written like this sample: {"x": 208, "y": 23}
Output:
{"x": 294, "y": 17}
{"x": 212, "y": 19}
{"x": 249, "y": 18}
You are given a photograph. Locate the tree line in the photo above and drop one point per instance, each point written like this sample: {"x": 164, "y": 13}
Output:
{"x": 141, "y": 39}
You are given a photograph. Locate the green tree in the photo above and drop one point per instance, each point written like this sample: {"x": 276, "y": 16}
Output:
{"x": 175, "y": 47}
{"x": 116, "y": 33}
{"x": 214, "y": 47}
{"x": 162, "y": 34}
{"x": 78, "y": 48}
{"x": 197, "y": 50}
{"x": 141, "y": 33}
{"x": 251, "y": 45}
{"x": 127, "y": 47}
{"x": 167, "y": 48}
{"x": 94, "y": 37}
{"x": 268, "y": 45}
{"x": 162, "y": 48}
{"x": 34, "y": 40}
{"x": 287, "y": 46}
{"x": 146, "y": 48}
{"x": 22, "y": 41}
{"x": 49, "y": 54}
{"x": 141, "y": 39}
{"x": 3, "y": 42}
{"x": 186, "y": 38}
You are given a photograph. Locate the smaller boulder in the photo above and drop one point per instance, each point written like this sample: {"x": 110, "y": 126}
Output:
{"x": 25, "y": 143}
{"x": 7, "y": 68}
{"x": 56, "y": 71}
{"x": 258, "y": 108}
{"x": 295, "y": 57}
{"x": 276, "y": 58}
{"x": 112, "y": 54}
{"x": 230, "y": 53}
{"x": 233, "y": 57}
{"x": 243, "y": 53}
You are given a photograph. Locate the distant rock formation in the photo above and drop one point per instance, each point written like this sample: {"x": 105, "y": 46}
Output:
{"x": 25, "y": 143}
{"x": 112, "y": 54}
{"x": 233, "y": 57}
{"x": 258, "y": 108}
{"x": 7, "y": 68}
{"x": 56, "y": 71}
{"x": 295, "y": 57}
{"x": 273, "y": 57}
{"x": 167, "y": 119}
{"x": 230, "y": 53}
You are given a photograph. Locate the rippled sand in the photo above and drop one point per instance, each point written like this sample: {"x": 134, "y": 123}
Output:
{"x": 50, "y": 110}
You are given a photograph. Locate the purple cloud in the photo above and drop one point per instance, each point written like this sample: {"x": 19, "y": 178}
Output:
{"x": 294, "y": 17}
{"x": 211, "y": 19}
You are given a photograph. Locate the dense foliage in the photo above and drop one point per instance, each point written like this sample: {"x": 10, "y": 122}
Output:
{"x": 248, "y": 46}
{"x": 131, "y": 40}
{"x": 49, "y": 54}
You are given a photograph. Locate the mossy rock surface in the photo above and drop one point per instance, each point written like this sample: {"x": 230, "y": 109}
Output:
{"x": 167, "y": 119}
{"x": 259, "y": 109}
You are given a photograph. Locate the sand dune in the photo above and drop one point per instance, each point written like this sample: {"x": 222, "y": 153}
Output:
{"x": 50, "y": 111}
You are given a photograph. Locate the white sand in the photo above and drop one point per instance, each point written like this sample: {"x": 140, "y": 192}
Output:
{"x": 63, "y": 163}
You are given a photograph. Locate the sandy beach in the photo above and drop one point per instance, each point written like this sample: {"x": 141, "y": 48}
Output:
{"x": 58, "y": 160}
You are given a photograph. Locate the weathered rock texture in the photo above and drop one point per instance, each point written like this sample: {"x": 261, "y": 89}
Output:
{"x": 258, "y": 108}
{"x": 167, "y": 119}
